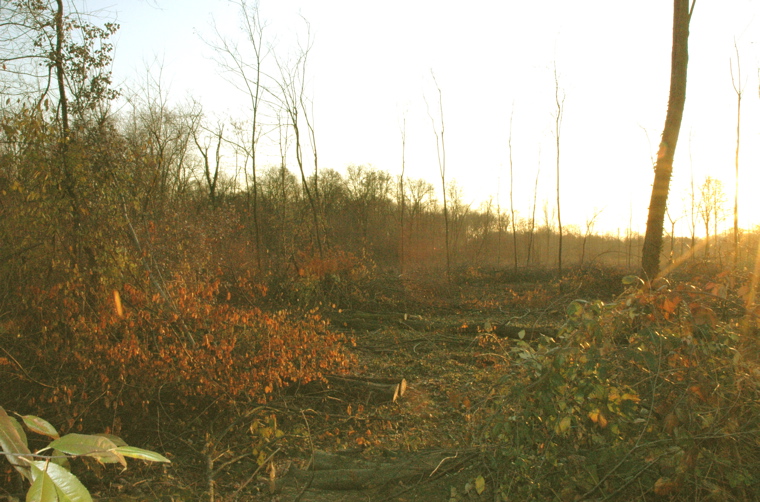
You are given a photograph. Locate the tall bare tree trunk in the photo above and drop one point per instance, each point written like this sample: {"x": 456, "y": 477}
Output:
{"x": 738, "y": 88}
{"x": 512, "y": 190}
{"x": 441, "y": 149}
{"x": 533, "y": 214}
{"x": 558, "y": 122}
{"x": 650, "y": 261}
{"x": 292, "y": 90}
{"x": 403, "y": 194}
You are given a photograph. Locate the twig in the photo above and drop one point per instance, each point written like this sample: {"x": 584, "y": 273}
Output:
{"x": 311, "y": 461}
{"x": 441, "y": 463}
{"x": 248, "y": 481}
{"x": 24, "y": 371}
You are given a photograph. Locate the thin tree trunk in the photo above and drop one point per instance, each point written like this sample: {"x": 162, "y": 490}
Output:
{"x": 512, "y": 190}
{"x": 738, "y": 88}
{"x": 403, "y": 195}
{"x": 558, "y": 122}
{"x": 533, "y": 215}
{"x": 69, "y": 183}
{"x": 650, "y": 261}
{"x": 441, "y": 149}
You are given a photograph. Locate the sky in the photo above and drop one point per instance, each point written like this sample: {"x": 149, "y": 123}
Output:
{"x": 371, "y": 65}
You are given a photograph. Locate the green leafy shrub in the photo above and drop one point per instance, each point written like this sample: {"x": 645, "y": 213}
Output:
{"x": 650, "y": 393}
{"x": 49, "y": 475}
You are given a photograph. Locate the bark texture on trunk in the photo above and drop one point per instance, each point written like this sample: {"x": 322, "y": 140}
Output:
{"x": 650, "y": 262}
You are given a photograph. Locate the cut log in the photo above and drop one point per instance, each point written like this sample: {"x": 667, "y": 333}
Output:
{"x": 373, "y": 390}
{"x": 354, "y": 479}
{"x": 338, "y": 471}
{"x": 324, "y": 461}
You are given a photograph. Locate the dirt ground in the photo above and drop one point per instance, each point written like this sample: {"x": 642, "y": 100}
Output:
{"x": 427, "y": 445}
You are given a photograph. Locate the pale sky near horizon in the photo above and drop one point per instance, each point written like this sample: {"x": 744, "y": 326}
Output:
{"x": 371, "y": 61}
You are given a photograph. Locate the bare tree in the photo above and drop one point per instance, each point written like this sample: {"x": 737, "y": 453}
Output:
{"x": 650, "y": 261}
{"x": 291, "y": 90}
{"x": 738, "y": 88}
{"x": 590, "y": 223}
{"x": 560, "y": 106}
{"x": 158, "y": 137}
{"x": 421, "y": 197}
{"x": 211, "y": 171}
{"x": 458, "y": 211}
{"x": 499, "y": 229}
{"x": 532, "y": 228}
{"x": 440, "y": 147}
{"x": 710, "y": 208}
{"x": 308, "y": 115}
{"x": 548, "y": 227}
{"x": 402, "y": 194}
{"x": 512, "y": 188}
{"x": 485, "y": 228}
{"x": 244, "y": 67}
{"x": 673, "y": 221}
{"x": 692, "y": 205}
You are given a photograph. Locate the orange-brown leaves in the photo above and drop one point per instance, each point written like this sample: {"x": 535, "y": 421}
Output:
{"x": 195, "y": 351}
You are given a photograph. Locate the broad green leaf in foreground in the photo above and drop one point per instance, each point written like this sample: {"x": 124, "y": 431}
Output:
{"x": 98, "y": 447}
{"x": 67, "y": 487}
{"x": 133, "y": 452}
{"x": 13, "y": 443}
{"x": 40, "y": 426}
{"x": 43, "y": 489}
{"x": 114, "y": 439}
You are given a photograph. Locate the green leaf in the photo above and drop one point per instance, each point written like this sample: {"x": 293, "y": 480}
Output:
{"x": 575, "y": 309}
{"x": 40, "y": 426}
{"x": 480, "y": 484}
{"x": 134, "y": 452}
{"x": 67, "y": 486}
{"x": 632, "y": 279}
{"x": 114, "y": 439}
{"x": 42, "y": 490}
{"x": 563, "y": 425}
{"x": 97, "y": 447}
{"x": 13, "y": 441}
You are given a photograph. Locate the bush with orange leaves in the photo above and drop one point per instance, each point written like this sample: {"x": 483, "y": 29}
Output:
{"x": 185, "y": 351}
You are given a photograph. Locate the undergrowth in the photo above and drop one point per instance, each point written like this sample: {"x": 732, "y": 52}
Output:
{"x": 652, "y": 395}
{"x": 107, "y": 365}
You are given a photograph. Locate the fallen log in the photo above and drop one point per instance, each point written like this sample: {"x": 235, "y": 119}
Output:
{"x": 324, "y": 461}
{"x": 373, "y": 390}
{"x": 354, "y": 479}
{"x": 334, "y": 471}
{"x": 513, "y": 332}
